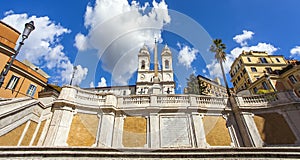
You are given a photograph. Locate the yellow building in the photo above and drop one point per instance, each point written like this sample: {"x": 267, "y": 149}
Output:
{"x": 213, "y": 88}
{"x": 251, "y": 66}
{"x": 23, "y": 78}
{"x": 280, "y": 80}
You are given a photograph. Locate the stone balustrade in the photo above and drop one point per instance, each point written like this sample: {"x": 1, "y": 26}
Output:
{"x": 257, "y": 100}
{"x": 87, "y": 98}
{"x": 267, "y": 100}
{"x": 174, "y": 99}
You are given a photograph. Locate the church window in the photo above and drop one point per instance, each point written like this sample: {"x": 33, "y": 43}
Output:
{"x": 167, "y": 66}
{"x": 143, "y": 64}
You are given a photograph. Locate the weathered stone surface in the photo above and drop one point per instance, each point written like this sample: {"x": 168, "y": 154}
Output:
{"x": 174, "y": 132}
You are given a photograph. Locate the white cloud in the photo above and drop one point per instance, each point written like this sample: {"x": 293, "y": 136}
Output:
{"x": 80, "y": 42}
{"x": 102, "y": 83}
{"x": 295, "y": 51}
{"x": 269, "y": 48}
{"x": 8, "y": 12}
{"x": 241, "y": 38}
{"x": 186, "y": 55}
{"x": 80, "y": 73}
{"x": 43, "y": 46}
{"x": 117, "y": 30}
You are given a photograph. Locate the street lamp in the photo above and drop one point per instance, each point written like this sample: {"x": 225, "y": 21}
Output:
{"x": 29, "y": 27}
{"x": 74, "y": 70}
{"x": 267, "y": 75}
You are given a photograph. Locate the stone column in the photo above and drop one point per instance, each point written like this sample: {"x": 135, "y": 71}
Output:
{"x": 154, "y": 130}
{"x": 118, "y": 131}
{"x": 258, "y": 142}
{"x": 199, "y": 130}
{"x": 59, "y": 127}
{"x": 106, "y": 129}
{"x": 241, "y": 126}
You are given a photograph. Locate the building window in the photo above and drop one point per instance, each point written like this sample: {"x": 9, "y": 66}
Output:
{"x": 277, "y": 59}
{"x": 244, "y": 70}
{"x": 292, "y": 79}
{"x": 143, "y": 64}
{"x": 269, "y": 70}
{"x": 249, "y": 59}
{"x": 31, "y": 90}
{"x": 253, "y": 69}
{"x": 238, "y": 78}
{"x": 263, "y": 60}
{"x": 12, "y": 82}
{"x": 265, "y": 85}
{"x": 255, "y": 90}
{"x": 167, "y": 64}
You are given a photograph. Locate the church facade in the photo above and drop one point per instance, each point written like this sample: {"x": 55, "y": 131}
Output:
{"x": 152, "y": 118}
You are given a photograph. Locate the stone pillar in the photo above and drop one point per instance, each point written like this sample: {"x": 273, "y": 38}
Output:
{"x": 258, "y": 142}
{"x": 241, "y": 126}
{"x": 193, "y": 102}
{"x": 59, "y": 127}
{"x": 154, "y": 130}
{"x": 106, "y": 129}
{"x": 118, "y": 131}
{"x": 199, "y": 130}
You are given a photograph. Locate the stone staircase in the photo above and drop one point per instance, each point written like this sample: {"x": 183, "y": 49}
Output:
{"x": 108, "y": 153}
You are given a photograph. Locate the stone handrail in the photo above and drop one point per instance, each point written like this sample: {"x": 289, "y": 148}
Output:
{"x": 174, "y": 99}
{"x": 267, "y": 100}
{"x": 261, "y": 100}
{"x": 203, "y": 100}
{"x": 129, "y": 100}
{"x": 89, "y": 98}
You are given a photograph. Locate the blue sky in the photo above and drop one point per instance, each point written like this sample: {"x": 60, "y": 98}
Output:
{"x": 102, "y": 37}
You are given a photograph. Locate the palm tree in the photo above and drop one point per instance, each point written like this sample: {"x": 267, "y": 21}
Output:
{"x": 218, "y": 48}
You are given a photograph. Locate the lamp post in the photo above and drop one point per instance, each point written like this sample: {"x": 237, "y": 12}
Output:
{"x": 29, "y": 27}
{"x": 267, "y": 75}
{"x": 74, "y": 70}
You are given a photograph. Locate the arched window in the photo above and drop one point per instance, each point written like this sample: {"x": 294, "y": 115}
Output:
{"x": 167, "y": 66}
{"x": 143, "y": 64}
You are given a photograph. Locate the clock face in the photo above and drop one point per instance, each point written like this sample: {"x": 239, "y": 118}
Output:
{"x": 142, "y": 76}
